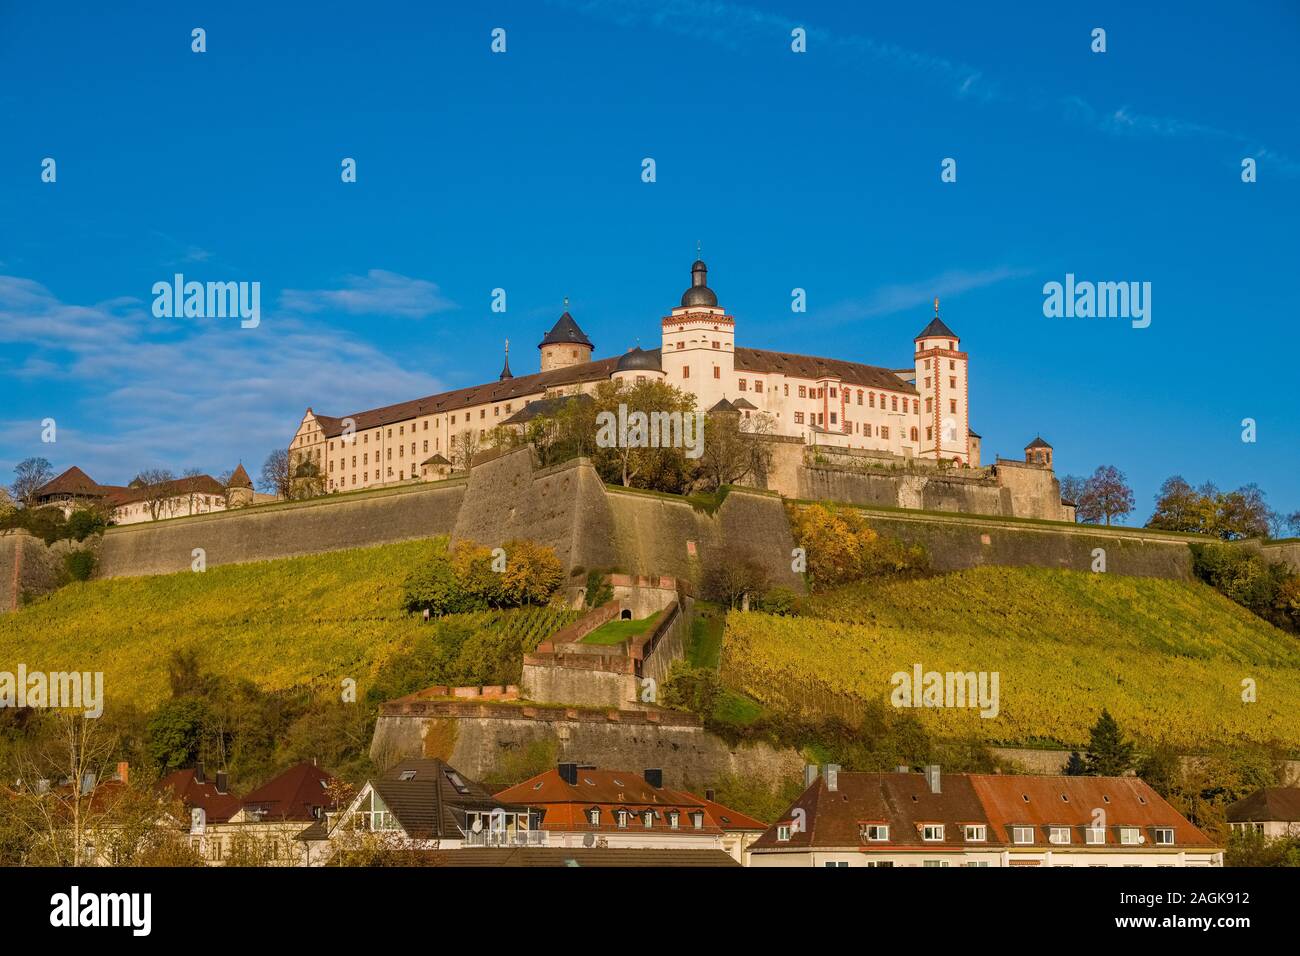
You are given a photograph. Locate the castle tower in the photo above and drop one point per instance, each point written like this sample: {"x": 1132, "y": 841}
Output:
{"x": 941, "y": 378}
{"x": 565, "y": 344}
{"x": 1038, "y": 452}
{"x": 239, "y": 491}
{"x": 505, "y": 372}
{"x": 699, "y": 342}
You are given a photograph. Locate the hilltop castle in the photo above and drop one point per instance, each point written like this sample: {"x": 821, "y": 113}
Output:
{"x": 918, "y": 412}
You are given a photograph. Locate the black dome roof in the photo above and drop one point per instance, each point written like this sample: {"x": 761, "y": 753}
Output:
{"x": 639, "y": 359}
{"x": 699, "y": 293}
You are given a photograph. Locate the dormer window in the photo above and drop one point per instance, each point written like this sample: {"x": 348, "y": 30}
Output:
{"x": 932, "y": 832}
{"x": 783, "y": 833}
{"x": 1060, "y": 836}
{"x": 649, "y": 819}
{"x": 1023, "y": 836}
{"x": 1128, "y": 836}
{"x": 1094, "y": 836}
{"x": 673, "y": 817}
{"x": 593, "y": 817}
{"x": 697, "y": 820}
{"x": 873, "y": 832}
{"x": 975, "y": 832}
{"x": 1164, "y": 836}
{"x": 622, "y": 819}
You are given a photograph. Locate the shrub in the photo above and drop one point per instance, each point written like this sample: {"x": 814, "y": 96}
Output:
{"x": 599, "y": 590}
{"x": 84, "y": 522}
{"x": 80, "y": 564}
{"x": 696, "y": 689}
{"x": 1270, "y": 590}
{"x": 840, "y": 547}
{"x": 780, "y": 601}
{"x": 464, "y": 580}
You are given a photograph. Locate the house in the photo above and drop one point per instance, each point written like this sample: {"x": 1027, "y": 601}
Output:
{"x": 1272, "y": 811}
{"x": 426, "y": 804}
{"x": 204, "y": 801}
{"x": 543, "y": 856}
{"x": 583, "y": 806}
{"x": 138, "y": 501}
{"x": 281, "y": 823}
{"x": 935, "y": 819}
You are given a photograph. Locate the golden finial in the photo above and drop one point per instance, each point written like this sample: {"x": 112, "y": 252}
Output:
{"x": 936, "y": 306}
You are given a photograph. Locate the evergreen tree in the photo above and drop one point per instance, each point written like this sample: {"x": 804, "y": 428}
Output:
{"x": 1074, "y": 766}
{"x": 1109, "y": 754}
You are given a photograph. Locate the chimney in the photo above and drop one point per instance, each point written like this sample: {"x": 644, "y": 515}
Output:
{"x": 655, "y": 777}
{"x": 932, "y": 777}
{"x": 809, "y": 775}
{"x": 123, "y": 771}
{"x": 569, "y": 773}
{"x": 709, "y": 795}
{"x": 198, "y": 773}
{"x": 223, "y": 782}
{"x": 832, "y": 776}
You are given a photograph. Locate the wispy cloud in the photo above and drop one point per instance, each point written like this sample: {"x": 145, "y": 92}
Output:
{"x": 378, "y": 292}
{"x": 739, "y": 27}
{"x": 175, "y": 393}
{"x": 903, "y": 297}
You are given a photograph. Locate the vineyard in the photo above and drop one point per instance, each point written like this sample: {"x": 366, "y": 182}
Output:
{"x": 310, "y": 620}
{"x": 1168, "y": 659}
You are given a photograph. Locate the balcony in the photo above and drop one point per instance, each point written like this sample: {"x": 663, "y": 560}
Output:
{"x": 507, "y": 838}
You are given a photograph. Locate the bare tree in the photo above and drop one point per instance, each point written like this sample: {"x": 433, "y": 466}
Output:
{"x": 1106, "y": 496}
{"x": 29, "y": 475}
{"x": 735, "y": 448}
{"x": 156, "y": 487}
{"x": 464, "y": 447}
{"x": 275, "y": 473}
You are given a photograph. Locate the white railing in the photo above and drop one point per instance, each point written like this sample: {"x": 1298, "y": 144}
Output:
{"x": 504, "y": 838}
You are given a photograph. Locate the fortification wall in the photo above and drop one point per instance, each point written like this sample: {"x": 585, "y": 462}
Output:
{"x": 958, "y": 542}
{"x": 282, "y": 531}
{"x": 477, "y": 740}
{"x": 1288, "y": 552}
{"x": 27, "y": 566}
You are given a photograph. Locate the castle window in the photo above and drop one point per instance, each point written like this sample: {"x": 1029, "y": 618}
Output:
{"x": 453, "y": 419}
{"x": 951, "y": 364}
{"x": 798, "y": 418}
{"x": 573, "y": 353}
{"x": 927, "y": 381}
{"x": 640, "y": 379}
{"x": 390, "y": 433}
{"x": 952, "y": 405}
{"x": 390, "y": 454}
{"x": 717, "y": 372}
{"x": 916, "y": 406}
{"x": 927, "y": 365}
{"x": 787, "y": 388}
{"x": 507, "y": 408}
{"x": 832, "y": 418}
{"x": 894, "y": 402}
{"x": 686, "y": 371}
{"x": 482, "y": 413}
{"x": 929, "y": 434}
{"x": 354, "y": 461}
{"x": 929, "y": 405}
{"x": 741, "y": 385}
{"x": 496, "y": 410}
{"x": 401, "y": 430}
{"x": 952, "y": 381}
{"x": 803, "y": 391}
{"x": 952, "y": 345}
{"x": 859, "y": 396}
{"x": 832, "y": 393}
{"x": 758, "y": 386}
{"x": 871, "y": 400}
{"x": 913, "y": 435}
{"x": 426, "y": 444}
{"x": 426, "y": 424}
{"x": 680, "y": 346}
{"x": 401, "y": 452}
{"x": 715, "y": 345}
{"x": 331, "y": 446}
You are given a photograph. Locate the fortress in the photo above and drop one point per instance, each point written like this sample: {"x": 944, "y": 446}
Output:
{"x": 917, "y": 413}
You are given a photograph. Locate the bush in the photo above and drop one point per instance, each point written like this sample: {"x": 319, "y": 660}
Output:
{"x": 1270, "y": 590}
{"x": 780, "y": 601}
{"x": 85, "y": 522}
{"x": 466, "y": 580}
{"x": 840, "y": 547}
{"x": 696, "y": 689}
{"x": 599, "y": 590}
{"x": 80, "y": 565}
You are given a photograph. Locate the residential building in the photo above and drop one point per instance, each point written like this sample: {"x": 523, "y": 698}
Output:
{"x": 1272, "y": 811}
{"x": 137, "y": 502}
{"x": 583, "y": 806}
{"x": 934, "y": 819}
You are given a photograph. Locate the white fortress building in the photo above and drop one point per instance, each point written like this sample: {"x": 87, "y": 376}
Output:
{"x": 921, "y": 411}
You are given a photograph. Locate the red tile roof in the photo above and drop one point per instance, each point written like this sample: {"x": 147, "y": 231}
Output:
{"x": 217, "y": 807}
{"x": 297, "y": 794}
{"x": 567, "y": 806}
{"x": 74, "y": 481}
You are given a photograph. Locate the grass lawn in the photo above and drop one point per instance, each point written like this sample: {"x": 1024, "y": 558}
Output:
{"x": 616, "y": 632}
{"x": 705, "y": 649}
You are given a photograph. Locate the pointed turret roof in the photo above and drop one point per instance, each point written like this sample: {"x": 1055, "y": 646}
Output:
{"x": 936, "y": 329}
{"x": 505, "y": 372}
{"x": 74, "y": 481}
{"x": 239, "y": 478}
{"x": 723, "y": 406}
{"x": 565, "y": 332}
{"x": 1038, "y": 443}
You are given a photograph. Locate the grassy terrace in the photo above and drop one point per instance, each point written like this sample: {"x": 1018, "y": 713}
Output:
{"x": 616, "y": 632}
{"x": 1167, "y": 658}
{"x": 298, "y": 621}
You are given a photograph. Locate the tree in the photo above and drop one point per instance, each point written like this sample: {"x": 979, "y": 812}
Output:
{"x": 735, "y": 448}
{"x": 654, "y": 459}
{"x": 29, "y": 475}
{"x": 175, "y": 733}
{"x": 464, "y": 446}
{"x": 728, "y": 582}
{"x": 1072, "y": 490}
{"x": 275, "y": 477}
{"x": 191, "y": 488}
{"x": 1074, "y": 767}
{"x": 157, "y": 491}
{"x": 307, "y": 481}
{"x": 1106, "y": 496}
{"x": 1109, "y": 754}
{"x": 1179, "y": 507}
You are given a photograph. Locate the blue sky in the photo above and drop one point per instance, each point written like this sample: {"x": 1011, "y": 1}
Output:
{"x": 522, "y": 171}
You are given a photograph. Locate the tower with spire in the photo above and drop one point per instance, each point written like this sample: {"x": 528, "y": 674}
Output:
{"x": 505, "y": 371}
{"x": 941, "y": 380}
{"x": 698, "y": 343}
{"x": 565, "y": 344}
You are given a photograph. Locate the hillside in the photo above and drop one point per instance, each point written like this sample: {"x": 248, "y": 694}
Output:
{"x": 308, "y": 620}
{"x": 1166, "y": 658}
